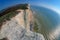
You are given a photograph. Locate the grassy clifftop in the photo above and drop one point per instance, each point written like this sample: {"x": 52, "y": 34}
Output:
{"x": 10, "y": 12}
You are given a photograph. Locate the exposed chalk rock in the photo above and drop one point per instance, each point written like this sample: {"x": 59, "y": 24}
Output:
{"x": 13, "y": 31}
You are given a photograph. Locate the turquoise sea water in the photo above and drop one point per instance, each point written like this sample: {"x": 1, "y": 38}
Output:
{"x": 48, "y": 20}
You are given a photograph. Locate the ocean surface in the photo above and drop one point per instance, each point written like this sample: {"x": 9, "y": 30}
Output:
{"x": 48, "y": 21}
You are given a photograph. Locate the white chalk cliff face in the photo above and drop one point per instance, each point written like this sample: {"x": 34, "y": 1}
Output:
{"x": 16, "y": 29}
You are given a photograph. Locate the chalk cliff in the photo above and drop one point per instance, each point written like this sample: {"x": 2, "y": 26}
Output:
{"x": 19, "y": 27}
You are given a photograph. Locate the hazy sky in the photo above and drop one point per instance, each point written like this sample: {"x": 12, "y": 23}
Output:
{"x": 7, "y": 3}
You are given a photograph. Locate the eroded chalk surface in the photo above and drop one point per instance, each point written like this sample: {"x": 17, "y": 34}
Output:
{"x": 13, "y": 31}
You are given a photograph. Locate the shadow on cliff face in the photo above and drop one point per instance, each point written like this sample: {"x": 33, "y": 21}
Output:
{"x": 4, "y": 39}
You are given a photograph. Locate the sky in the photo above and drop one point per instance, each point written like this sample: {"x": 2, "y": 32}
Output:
{"x": 7, "y": 3}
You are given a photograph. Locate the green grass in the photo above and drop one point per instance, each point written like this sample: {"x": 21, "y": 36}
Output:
{"x": 7, "y": 16}
{"x": 35, "y": 27}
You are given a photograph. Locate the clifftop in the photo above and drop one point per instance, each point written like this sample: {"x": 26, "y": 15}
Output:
{"x": 13, "y": 8}
{"x": 10, "y": 12}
